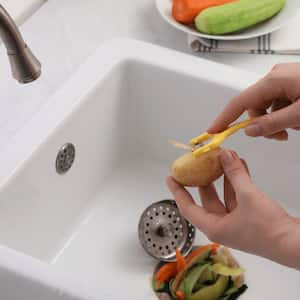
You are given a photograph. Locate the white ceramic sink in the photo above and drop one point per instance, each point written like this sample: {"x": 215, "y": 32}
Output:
{"x": 74, "y": 236}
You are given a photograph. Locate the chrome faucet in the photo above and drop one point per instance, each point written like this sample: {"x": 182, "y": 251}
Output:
{"x": 25, "y": 66}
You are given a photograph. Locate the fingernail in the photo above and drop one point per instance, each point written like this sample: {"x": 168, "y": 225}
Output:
{"x": 253, "y": 130}
{"x": 227, "y": 157}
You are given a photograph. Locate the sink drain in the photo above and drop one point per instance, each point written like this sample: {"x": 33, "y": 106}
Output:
{"x": 162, "y": 230}
{"x": 65, "y": 158}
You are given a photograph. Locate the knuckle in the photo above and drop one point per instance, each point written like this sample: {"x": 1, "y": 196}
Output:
{"x": 234, "y": 170}
{"x": 277, "y": 67}
{"x": 247, "y": 192}
{"x": 272, "y": 78}
{"x": 276, "y": 73}
{"x": 268, "y": 123}
{"x": 297, "y": 113}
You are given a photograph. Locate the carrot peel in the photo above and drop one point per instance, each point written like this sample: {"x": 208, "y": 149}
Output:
{"x": 196, "y": 252}
{"x": 166, "y": 272}
{"x": 180, "y": 295}
{"x": 181, "y": 263}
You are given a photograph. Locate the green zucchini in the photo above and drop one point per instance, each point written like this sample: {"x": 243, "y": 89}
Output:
{"x": 212, "y": 292}
{"x": 200, "y": 258}
{"x": 159, "y": 286}
{"x": 237, "y": 15}
{"x": 218, "y": 258}
{"x": 206, "y": 278}
{"x": 221, "y": 269}
{"x": 234, "y": 292}
{"x": 192, "y": 278}
{"x": 171, "y": 290}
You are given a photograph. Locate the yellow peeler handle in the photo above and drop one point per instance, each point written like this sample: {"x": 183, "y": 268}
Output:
{"x": 216, "y": 138}
{"x": 234, "y": 128}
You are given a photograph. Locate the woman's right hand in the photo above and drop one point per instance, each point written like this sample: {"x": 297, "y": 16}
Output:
{"x": 280, "y": 91}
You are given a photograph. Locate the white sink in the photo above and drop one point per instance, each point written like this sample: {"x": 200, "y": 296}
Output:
{"x": 74, "y": 236}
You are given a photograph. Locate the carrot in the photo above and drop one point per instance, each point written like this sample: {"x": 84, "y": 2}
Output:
{"x": 181, "y": 263}
{"x": 166, "y": 272}
{"x": 172, "y": 269}
{"x": 185, "y": 11}
{"x": 199, "y": 250}
{"x": 180, "y": 295}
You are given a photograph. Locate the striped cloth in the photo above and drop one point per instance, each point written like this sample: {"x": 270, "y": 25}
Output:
{"x": 283, "y": 41}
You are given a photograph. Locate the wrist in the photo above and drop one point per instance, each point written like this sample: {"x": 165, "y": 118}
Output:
{"x": 285, "y": 247}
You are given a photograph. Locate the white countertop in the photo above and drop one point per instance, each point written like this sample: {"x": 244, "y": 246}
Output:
{"x": 63, "y": 33}
{"x": 21, "y": 10}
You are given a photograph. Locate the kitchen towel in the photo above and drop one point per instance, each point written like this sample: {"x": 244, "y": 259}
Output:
{"x": 283, "y": 41}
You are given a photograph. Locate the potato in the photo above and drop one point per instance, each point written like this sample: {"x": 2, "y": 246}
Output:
{"x": 198, "y": 171}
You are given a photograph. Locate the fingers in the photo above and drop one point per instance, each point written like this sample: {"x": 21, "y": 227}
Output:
{"x": 245, "y": 166}
{"x": 210, "y": 200}
{"x": 254, "y": 113}
{"x": 275, "y": 122}
{"x": 235, "y": 171}
{"x": 229, "y": 195}
{"x": 195, "y": 214}
{"x": 279, "y": 136}
{"x": 258, "y": 96}
{"x": 279, "y": 104}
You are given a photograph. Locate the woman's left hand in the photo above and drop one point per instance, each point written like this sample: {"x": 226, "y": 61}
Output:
{"x": 247, "y": 220}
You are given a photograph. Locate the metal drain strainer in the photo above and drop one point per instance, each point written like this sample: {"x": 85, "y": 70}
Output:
{"x": 65, "y": 158}
{"x": 162, "y": 230}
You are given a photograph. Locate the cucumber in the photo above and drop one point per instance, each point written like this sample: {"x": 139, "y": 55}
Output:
{"x": 206, "y": 277}
{"x": 158, "y": 286}
{"x": 221, "y": 269}
{"x": 212, "y": 292}
{"x": 234, "y": 293}
{"x": 192, "y": 278}
{"x": 236, "y": 16}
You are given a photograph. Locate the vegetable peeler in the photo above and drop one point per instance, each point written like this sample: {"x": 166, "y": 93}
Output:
{"x": 216, "y": 138}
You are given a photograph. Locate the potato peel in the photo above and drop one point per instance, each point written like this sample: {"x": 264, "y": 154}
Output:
{"x": 181, "y": 145}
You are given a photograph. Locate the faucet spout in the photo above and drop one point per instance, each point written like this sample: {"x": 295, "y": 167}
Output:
{"x": 25, "y": 66}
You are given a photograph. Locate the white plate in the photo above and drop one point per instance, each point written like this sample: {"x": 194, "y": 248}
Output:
{"x": 290, "y": 10}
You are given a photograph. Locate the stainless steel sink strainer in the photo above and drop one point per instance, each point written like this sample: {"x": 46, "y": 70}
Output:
{"x": 65, "y": 158}
{"x": 162, "y": 230}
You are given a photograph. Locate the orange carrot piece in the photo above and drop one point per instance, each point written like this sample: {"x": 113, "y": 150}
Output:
{"x": 196, "y": 252}
{"x": 181, "y": 263}
{"x": 180, "y": 295}
{"x": 185, "y": 11}
{"x": 170, "y": 270}
{"x": 166, "y": 272}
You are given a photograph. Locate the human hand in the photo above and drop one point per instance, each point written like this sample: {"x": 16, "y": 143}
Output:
{"x": 280, "y": 91}
{"x": 248, "y": 220}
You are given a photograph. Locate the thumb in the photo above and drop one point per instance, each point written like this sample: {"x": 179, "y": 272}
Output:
{"x": 235, "y": 171}
{"x": 275, "y": 122}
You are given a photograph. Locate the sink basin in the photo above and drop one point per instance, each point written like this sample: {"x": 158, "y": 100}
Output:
{"x": 74, "y": 236}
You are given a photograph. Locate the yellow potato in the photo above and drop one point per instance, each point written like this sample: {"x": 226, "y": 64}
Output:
{"x": 197, "y": 171}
